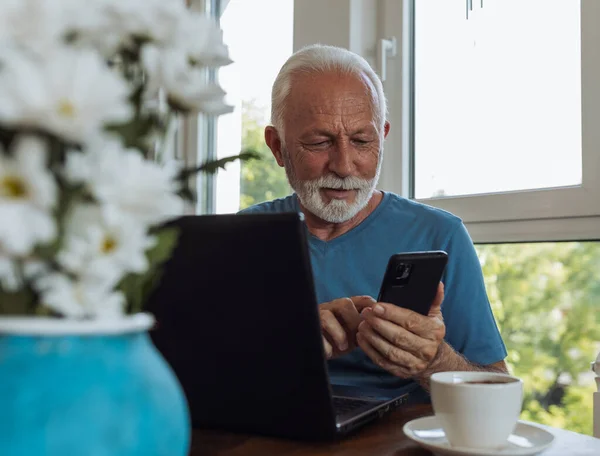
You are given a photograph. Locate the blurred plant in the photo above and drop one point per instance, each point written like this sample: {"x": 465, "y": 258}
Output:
{"x": 88, "y": 93}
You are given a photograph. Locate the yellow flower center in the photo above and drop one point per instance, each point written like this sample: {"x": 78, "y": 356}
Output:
{"x": 109, "y": 244}
{"x": 66, "y": 108}
{"x": 78, "y": 294}
{"x": 13, "y": 187}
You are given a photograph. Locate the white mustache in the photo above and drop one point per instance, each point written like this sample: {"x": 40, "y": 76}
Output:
{"x": 338, "y": 183}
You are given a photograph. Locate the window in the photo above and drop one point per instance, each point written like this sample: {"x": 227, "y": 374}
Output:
{"x": 494, "y": 119}
{"x": 506, "y": 104}
{"x": 259, "y": 45}
{"x": 497, "y": 121}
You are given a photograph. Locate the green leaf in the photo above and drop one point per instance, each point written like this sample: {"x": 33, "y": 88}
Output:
{"x": 179, "y": 108}
{"x": 135, "y": 133}
{"x": 212, "y": 167}
{"x": 131, "y": 287}
{"x": 187, "y": 193}
{"x": 68, "y": 195}
{"x": 137, "y": 287}
{"x": 6, "y": 138}
{"x": 166, "y": 240}
{"x": 17, "y": 303}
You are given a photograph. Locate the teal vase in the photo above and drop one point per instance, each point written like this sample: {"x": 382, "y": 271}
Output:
{"x": 93, "y": 388}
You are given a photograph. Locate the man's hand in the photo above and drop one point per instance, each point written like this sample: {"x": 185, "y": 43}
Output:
{"x": 339, "y": 323}
{"x": 401, "y": 341}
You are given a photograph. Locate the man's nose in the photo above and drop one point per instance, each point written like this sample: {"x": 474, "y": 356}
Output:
{"x": 341, "y": 160}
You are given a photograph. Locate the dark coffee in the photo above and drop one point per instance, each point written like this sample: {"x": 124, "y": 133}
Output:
{"x": 489, "y": 382}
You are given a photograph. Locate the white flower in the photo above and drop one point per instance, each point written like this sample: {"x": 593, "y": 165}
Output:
{"x": 185, "y": 85}
{"x": 202, "y": 39}
{"x": 108, "y": 25}
{"x": 28, "y": 193}
{"x": 91, "y": 26}
{"x": 72, "y": 94}
{"x": 126, "y": 184}
{"x": 101, "y": 252}
{"x": 35, "y": 26}
{"x": 11, "y": 280}
{"x": 180, "y": 69}
{"x": 79, "y": 299}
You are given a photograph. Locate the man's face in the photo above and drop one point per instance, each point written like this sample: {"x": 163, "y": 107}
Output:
{"x": 332, "y": 144}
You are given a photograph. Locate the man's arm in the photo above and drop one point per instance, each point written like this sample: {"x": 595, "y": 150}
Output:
{"x": 447, "y": 359}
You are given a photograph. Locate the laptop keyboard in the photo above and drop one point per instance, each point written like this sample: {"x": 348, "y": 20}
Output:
{"x": 343, "y": 405}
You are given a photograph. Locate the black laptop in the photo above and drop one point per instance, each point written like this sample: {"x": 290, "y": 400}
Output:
{"x": 237, "y": 319}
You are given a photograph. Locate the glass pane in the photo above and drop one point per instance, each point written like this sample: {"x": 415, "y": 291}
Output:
{"x": 545, "y": 298}
{"x": 259, "y": 45}
{"x": 497, "y": 96}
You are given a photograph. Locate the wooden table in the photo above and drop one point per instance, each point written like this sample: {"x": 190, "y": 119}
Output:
{"x": 383, "y": 437}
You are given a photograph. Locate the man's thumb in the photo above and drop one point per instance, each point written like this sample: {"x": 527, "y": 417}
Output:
{"x": 436, "y": 306}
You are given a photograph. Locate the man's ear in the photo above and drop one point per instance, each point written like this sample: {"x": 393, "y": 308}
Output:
{"x": 386, "y": 129}
{"x": 274, "y": 142}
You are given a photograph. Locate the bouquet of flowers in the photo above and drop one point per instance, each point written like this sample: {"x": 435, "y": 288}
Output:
{"x": 88, "y": 90}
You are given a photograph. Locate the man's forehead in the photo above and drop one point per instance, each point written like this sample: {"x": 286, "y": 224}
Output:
{"x": 329, "y": 94}
{"x": 348, "y": 106}
{"x": 330, "y": 84}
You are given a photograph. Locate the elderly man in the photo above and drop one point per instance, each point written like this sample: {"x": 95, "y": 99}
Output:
{"x": 328, "y": 128}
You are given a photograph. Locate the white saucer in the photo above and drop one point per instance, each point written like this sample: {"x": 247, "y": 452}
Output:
{"x": 527, "y": 439}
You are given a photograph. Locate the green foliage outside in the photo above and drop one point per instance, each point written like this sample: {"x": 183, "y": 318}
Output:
{"x": 263, "y": 179}
{"x": 546, "y": 299}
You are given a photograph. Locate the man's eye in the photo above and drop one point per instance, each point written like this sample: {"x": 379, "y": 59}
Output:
{"x": 361, "y": 141}
{"x": 319, "y": 143}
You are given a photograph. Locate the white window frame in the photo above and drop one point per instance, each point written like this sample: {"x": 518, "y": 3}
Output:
{"x": 196, "y": 135}
{"x": 566, "y": 213}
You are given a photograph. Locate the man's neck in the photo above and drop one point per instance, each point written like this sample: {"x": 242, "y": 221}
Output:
{"x": 326, "y": 231}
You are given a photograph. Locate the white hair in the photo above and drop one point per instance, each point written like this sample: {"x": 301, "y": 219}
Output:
{"x": 318, "y": 58}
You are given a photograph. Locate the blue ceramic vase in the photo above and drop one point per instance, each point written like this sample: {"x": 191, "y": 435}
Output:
{"x": 93, "y": 388}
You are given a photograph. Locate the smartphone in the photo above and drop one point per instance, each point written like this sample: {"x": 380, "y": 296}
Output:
{"x": 411, "y": 279}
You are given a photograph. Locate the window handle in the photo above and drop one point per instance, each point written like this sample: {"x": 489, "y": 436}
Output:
{"x": 387, "y": 48}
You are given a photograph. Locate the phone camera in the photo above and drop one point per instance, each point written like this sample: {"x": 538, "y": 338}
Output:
{"x": 403, "y": 271}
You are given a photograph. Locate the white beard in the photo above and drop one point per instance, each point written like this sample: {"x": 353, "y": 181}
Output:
{"x": 334, "y": 211}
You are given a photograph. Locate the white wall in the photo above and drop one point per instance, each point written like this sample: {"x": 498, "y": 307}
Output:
{"x": 351, "y": 24}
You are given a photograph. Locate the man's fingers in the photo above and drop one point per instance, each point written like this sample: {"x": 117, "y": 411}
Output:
{"x": 347, "y": 314}
{"x": 378, "y": 358}
{"x": 334, "y": 330}
{"x": 395, "y": 334}
{"x": 411, "y": 321}
{"x": 340, "y": 319}
{"x": 328, "y": 348}
{"x": 362, "y": 302}
{"x": 423, "y": 326}
{"x": 390, "y": 352}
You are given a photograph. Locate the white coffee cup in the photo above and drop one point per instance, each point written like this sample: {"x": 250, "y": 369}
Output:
{"x": 476, "y": 415}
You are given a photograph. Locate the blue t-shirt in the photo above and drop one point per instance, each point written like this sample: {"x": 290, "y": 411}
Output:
{"x": 354, "y": 264}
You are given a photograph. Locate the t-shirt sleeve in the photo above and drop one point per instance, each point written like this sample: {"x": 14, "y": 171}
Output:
{"x": 249, "y": 210}
{"x": 470, "y": 325}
